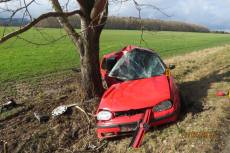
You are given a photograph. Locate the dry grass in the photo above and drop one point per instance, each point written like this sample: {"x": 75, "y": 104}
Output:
{"x": 206, "y": 123}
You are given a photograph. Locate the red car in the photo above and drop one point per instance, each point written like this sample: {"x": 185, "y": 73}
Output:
{"x": 137, "y": 80}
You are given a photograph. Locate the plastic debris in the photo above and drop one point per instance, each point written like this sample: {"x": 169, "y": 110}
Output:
{"x": 8, "y": 105}
{"x": 223, "y": 94}
{"x": 64, "y": 108}
{"x": 92, "y": 147}
{"x": 220, "y": 93}
{"x": 59, "y": 110}
{"x": 42, "y": 118}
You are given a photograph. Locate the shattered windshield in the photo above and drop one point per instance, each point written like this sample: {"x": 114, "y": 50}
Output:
{"x": 137, "y": 64}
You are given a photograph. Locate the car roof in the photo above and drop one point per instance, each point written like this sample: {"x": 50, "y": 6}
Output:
{"x": 126, "y": 49}
{"x": 131, "y": 48}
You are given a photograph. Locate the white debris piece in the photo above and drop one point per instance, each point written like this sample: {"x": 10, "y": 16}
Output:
{"x": 59, "y": 110}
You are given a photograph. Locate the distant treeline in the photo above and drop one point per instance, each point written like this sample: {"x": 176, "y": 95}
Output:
{"x": 131, "y": 23}
{"x": 151, "y": 24}
{"x": 221, "y": 32}
{"x": 13, "y": 22}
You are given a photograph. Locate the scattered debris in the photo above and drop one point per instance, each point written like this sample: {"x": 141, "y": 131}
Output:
{"x": 13, "y": 113}
{"x": 59, "y": 110}
{"x": 70, "y": 132}
{"x": 8, "y": 105}
{"x": 42, "y": 118}
{"x": 83, "y": 112}
{"x": 64, "y": 108}
{"x": 222, "y": 93}
{"x": 76, "y": 70}
{"x": 92, "y": 147}
{"x": 101, "y": 146}
{"x": 3, "y": 146}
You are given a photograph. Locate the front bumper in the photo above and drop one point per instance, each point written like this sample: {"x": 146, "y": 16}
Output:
{"x": 126, "y": 125}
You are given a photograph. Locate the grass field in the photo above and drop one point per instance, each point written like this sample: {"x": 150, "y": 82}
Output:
{"x": 20, "y": 59}
{"x": 203, "y": 127}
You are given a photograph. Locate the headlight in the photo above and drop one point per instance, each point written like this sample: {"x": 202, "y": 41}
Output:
{"x": 104, "y": 116}
{"x": 162, "y": 106}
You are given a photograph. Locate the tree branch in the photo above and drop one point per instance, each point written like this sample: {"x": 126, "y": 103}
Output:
{"x": 35, "y": 21}
{"x": 66, "y": 24}
{"x": 3, "y": 1}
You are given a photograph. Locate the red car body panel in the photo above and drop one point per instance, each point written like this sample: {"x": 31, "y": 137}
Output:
{"x": 136, "y": 94}
{"x": 128, "y": 100}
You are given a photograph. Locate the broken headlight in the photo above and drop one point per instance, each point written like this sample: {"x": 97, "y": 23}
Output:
{"x": 104, "y": 115}
{"x": 162, "y": 106}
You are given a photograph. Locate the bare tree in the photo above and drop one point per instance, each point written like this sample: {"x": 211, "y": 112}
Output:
{"x": 93, "y": 15}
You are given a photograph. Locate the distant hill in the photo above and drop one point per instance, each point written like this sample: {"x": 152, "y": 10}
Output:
{"x": 13, "y": 22}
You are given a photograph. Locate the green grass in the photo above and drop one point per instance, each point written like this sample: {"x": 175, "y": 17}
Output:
{"x": 20, "y": 60}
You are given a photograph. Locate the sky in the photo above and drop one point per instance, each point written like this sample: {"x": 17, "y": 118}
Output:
{"x": 215, "y": 14}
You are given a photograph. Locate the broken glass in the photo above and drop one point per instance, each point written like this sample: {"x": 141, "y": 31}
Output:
{"x": 137, "y": 64}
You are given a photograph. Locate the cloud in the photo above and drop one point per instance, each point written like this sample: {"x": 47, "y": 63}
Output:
{"x": 211, "y": 13}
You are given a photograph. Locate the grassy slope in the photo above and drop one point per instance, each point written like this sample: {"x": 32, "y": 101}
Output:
{"x": 19, "y": 59}
{"x": 202, "y": 129}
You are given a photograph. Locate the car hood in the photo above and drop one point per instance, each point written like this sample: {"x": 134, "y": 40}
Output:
{"x": 136, "y": 94}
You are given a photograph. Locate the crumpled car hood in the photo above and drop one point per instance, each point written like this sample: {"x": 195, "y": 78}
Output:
{"x": 136, "y": 94}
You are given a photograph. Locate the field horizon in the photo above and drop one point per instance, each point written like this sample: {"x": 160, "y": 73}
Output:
{"x": 20, "y": 59}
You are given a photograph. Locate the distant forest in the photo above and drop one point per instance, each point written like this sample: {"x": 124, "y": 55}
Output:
{"x": 13, "y": 22}
{"x": 126, "y": 23}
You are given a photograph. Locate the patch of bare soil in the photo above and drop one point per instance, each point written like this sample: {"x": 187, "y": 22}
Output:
{"x": 20, "y": 131}
{"x": 203, "y": 127}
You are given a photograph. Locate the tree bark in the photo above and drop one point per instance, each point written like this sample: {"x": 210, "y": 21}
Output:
{"x": 89, "y": 56}
{"x": 89, "y": 47}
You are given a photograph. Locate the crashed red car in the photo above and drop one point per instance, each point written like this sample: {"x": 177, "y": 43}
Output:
{"x": 137, "y": 80}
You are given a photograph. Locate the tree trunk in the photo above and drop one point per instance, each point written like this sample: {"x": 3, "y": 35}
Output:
{"x": 90, "y": 67}
{"x": 92, "y": 23}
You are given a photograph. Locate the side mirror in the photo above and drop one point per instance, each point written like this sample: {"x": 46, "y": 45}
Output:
{"x": 110, "y": 62}
{"x": 172, "y": 66}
